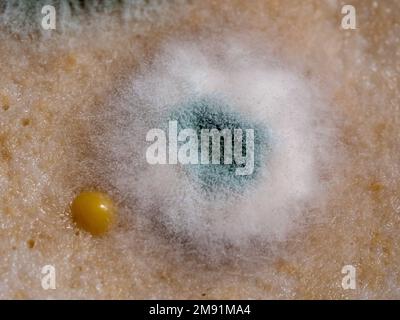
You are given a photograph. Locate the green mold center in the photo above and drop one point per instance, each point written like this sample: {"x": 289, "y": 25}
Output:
{"x": 214, "y": 113}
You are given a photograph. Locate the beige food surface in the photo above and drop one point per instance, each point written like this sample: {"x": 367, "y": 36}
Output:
{"x": 51, "y": 86}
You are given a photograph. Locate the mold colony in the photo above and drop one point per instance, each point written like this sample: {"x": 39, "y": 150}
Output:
{"x": 209, "y": 205}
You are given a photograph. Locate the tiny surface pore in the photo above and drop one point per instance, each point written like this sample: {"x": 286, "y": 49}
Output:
{"x": 93, "y": 212}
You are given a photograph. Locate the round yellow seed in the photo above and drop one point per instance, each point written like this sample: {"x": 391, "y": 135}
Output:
{"x": 93, "y": 212}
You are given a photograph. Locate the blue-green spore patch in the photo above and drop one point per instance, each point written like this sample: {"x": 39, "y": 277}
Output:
{"x": 215, "y": 113}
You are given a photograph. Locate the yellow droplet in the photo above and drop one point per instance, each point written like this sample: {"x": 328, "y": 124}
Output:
{"x": 93, "y": 212}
